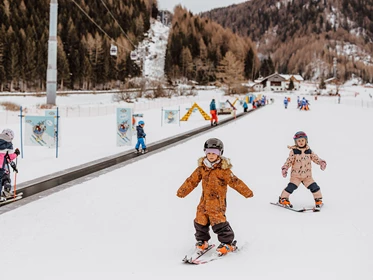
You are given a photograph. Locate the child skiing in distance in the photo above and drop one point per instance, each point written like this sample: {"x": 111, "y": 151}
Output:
{"x": 141, "y": 137}
{"x": 286, "y": 102}
{"x": 245, "y": 106}
{"x": 215, "y": 172}
{"x": 299, "y": 160}
{"x": 6, "y": 159}
{"x": 214, "y": 113}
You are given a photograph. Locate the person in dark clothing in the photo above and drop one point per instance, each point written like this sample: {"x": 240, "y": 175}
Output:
{"x": 6, "y": 161}
{"x": 141, "y": 137}
{"x": 245, "y": 106}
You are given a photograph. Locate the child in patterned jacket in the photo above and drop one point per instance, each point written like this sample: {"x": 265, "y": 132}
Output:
{"x": 299, "y": 160}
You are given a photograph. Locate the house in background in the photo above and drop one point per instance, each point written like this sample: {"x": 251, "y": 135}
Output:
{"x": 253, "y": 86}
{"x": 279, "y": 82}
{"x": 297, "y": 80}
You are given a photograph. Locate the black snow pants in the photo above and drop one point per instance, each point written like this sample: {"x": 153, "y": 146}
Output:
{"x": 223, "y": 230}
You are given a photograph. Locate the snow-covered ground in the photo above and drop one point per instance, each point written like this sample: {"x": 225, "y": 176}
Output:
{"x": 88, "y": 131}
{"x": 94, "y": 115}
{"x": 143, "y": 230}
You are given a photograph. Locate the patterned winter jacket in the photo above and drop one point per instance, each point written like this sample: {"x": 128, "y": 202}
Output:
{"x": 214, "y": 184}
{"x": 300, "y": 162}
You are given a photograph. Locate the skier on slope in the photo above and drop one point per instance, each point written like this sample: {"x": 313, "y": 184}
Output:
{"x": 286, "y": 102}
{"x": 214, "y": 113}
{"x": 245, "y": 106}
{"x": 299, "y": 160}
{"x": 6, "y": 159}
{"x": 140, "y": 137}
{"x": 215, "y": 172}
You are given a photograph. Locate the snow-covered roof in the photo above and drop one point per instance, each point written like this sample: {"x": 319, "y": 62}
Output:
{"x": 329, "y": 80}
{"x": 288, "y": 76}
{"x": 249, "y": 84}
{"x": 298, "y": 77}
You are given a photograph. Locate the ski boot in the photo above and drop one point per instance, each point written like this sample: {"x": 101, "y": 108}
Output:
{"x": 318, "y": 204}
{"x": 202, "y": 245}
{"x": 225, "y": 248}
{"x": 2, "y": 196}
{"x": 137, "y": 152}
{"x": 144, "y": 151}
{"x": 285, "y": 202}
{"x": 7, "y": 191}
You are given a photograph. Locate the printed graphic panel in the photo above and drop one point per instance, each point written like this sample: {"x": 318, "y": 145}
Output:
{"x": 124, "y": 127}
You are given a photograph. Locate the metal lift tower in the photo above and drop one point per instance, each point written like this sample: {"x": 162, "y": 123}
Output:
{"x": 52, "y": 54}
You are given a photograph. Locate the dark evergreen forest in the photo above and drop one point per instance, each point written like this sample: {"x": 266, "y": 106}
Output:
{"x": 84, "y": 60}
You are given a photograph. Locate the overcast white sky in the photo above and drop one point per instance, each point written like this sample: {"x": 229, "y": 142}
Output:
{"x": 197, "y": 6}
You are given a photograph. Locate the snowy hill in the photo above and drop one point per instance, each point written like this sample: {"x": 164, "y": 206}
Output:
{"x": 153, "y": 50}
{"x": 143, "y": 230}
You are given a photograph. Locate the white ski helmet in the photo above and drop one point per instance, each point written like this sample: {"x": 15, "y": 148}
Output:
{"x": 8, "y": 132}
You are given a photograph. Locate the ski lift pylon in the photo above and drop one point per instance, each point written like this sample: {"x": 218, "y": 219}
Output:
{"x": 113, "y": 50}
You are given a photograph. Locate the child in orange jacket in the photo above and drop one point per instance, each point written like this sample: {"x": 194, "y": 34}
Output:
{"x": 215, "y": 173}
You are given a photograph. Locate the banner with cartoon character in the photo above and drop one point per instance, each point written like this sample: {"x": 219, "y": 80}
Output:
{"x": 135, "y": 120}
{"x": 39, "y": 131}
{"x": 171, "y": 117}
{"x": 53, "y": 113}
{"x": 124, "y": 126}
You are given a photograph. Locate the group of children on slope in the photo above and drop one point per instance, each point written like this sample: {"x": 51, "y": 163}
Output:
{"x": 215, "y": 172}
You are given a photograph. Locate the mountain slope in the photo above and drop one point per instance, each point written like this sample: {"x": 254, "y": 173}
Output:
{"x": 84, "y": 60}
{"x": 303, "y": 36}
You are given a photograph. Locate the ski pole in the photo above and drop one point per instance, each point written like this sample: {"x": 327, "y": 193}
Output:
{"x": 15, "y": 181}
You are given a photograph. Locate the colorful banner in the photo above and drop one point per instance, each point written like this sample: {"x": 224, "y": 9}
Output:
{"x": 171, "y": 117}
{"x": 39, "y": 131}
{"x": 53, "y": 113}
{"x": 124, "y": 127}
{"x": 135, "y": 120}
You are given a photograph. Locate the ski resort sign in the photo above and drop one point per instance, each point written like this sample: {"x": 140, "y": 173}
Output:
{"x": 124, "y": 127}
{"x": 40, "y": 131}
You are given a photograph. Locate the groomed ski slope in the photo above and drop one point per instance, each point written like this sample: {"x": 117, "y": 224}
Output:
{"x": 129, "y": 224}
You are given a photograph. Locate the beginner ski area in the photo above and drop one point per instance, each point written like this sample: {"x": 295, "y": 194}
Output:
{"x": 129, "y": 224}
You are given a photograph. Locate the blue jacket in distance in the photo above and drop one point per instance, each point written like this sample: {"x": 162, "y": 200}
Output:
{"x": 212, "y": 105}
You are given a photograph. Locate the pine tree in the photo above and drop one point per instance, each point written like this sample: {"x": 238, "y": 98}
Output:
{"x": 63, "y": 74}
{"x": 249, "y": 65}
{"x": 12, "y": 67}
{"x": 322, "y": 84}
{"x": 2, "y": 68}
{"x": 186, "y": 63}
{"x": 230, "y": 71}
{"x": 291, "y": 85}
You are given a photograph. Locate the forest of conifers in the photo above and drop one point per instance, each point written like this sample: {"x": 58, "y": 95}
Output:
{"x": 84, "y": 60}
